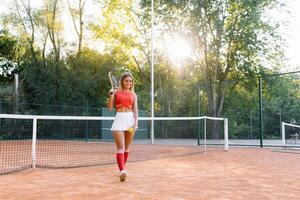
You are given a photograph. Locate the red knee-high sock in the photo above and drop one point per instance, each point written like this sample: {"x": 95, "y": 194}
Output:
{"x": 125, "y": 156}
{"x": 120, "y": 160}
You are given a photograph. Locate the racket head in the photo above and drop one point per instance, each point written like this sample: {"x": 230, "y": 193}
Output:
{"x": 113, "y": 80}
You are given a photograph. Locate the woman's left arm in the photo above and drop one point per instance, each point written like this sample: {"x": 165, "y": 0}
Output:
{"x": 135, "y": 112}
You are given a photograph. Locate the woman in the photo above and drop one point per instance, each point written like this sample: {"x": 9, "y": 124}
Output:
{"x": 125, "y": 101}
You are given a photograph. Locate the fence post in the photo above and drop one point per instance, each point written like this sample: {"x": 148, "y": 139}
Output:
{"x": 260, "y": 113}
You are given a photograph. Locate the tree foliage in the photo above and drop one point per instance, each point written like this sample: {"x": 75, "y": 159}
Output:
{"x": 8, "y": 55}
{"x": 233, "y": 43}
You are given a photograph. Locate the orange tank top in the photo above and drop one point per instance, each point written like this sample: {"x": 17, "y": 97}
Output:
{"x": 124, "y": 99}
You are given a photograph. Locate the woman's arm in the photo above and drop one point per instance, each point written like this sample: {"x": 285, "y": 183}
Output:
{"x": 110, "y": 101}
{"x": 135, "y": 112}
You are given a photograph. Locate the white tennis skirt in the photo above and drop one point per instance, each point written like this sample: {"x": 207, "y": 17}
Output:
{"x": 123, "y": 121}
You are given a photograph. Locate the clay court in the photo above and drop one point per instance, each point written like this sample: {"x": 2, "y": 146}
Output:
{"x": 240, "y": 173}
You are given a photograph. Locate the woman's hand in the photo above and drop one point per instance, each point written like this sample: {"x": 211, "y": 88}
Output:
{"x": 110, "y": 100}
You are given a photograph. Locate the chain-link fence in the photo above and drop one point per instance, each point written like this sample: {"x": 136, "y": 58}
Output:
{"x": 255, "y": 107}
{"x": 7, "y": 107}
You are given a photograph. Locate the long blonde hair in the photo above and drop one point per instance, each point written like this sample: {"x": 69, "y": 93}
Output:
{"x": 125, "y": 75}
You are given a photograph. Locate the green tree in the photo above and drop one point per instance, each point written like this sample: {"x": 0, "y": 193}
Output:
{"x": 8, "y": 55}
{"x": 77, "y": 14}
{"x": 232, "y": 40}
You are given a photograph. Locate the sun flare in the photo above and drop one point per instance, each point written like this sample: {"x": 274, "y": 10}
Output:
{"x": 178, "y": 49}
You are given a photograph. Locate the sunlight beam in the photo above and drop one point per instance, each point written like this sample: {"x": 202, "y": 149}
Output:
{"x": 177, "y": 49}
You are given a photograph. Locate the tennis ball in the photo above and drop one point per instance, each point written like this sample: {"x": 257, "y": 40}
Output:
{"x": 131, "y": 130}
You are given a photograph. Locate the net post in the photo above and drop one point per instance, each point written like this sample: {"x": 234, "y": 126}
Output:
{"x": 33, "y": 151}
{"x": 226, "y": 134}
{"x": 204, "y": 135}
{"x": 283, "y": 133}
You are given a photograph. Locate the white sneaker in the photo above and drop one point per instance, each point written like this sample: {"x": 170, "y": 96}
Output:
{"x": 122, "y": 175}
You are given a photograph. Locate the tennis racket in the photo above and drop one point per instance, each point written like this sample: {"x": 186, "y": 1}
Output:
{"x": 114, "y": 82}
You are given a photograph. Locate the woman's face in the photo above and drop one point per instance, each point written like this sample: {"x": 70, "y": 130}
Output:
{"x": 127, "y": 82}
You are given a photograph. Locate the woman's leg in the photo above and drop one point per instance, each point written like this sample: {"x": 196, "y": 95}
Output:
{"x": 120, "y": 143}
{"x": 128, "y": 140}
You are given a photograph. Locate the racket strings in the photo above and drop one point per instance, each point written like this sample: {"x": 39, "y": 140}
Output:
{"x": 115, "y": 82}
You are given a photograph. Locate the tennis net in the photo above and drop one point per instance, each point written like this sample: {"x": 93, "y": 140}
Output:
{"x": 29, "y": 141}
{"x": 290, "y": 134}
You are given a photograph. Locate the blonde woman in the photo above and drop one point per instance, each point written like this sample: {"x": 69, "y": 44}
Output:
{"x": 126, "y": 120}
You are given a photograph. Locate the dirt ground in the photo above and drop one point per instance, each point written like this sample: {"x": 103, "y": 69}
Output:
{"x": 240, "y": 173}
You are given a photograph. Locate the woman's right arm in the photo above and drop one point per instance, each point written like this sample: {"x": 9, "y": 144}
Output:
{"x": 110, "y": 102}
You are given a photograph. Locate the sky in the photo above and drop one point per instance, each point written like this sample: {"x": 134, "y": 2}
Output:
{"x": 291, "y": 32}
